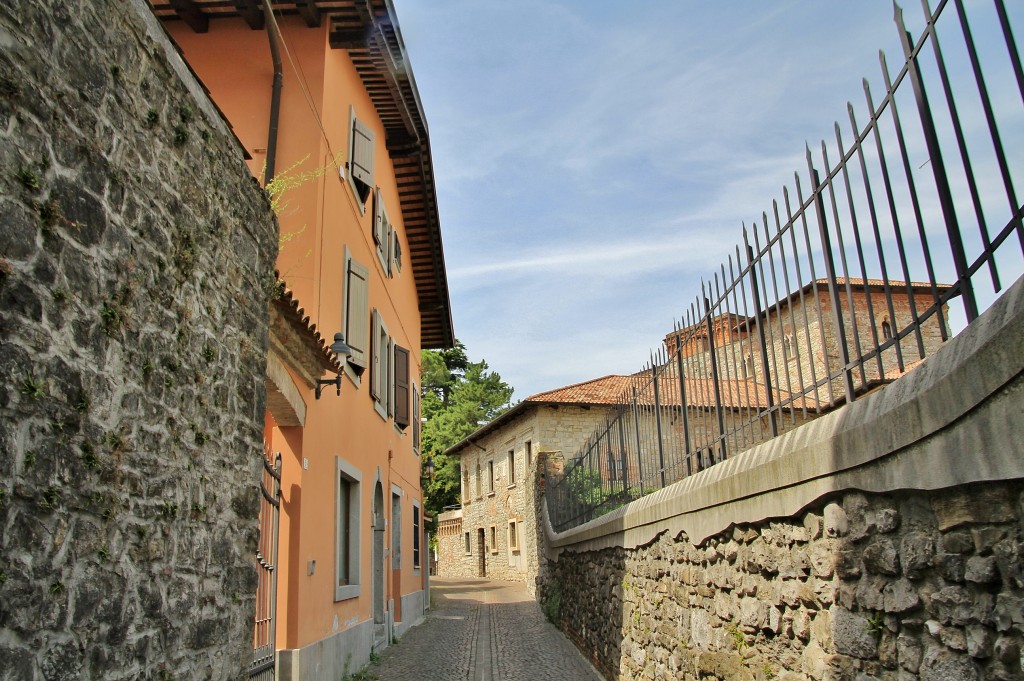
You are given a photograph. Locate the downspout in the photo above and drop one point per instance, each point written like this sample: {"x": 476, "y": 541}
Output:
{"x": 275, "y": 92}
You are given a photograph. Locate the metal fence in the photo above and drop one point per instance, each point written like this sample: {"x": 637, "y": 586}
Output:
{"x": 264, "y": 635}
{"x": 861, "y": 272}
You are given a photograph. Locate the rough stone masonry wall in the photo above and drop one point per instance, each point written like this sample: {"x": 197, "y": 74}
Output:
{"x": 925, "y": 585}
{"x": 132, "y": 355}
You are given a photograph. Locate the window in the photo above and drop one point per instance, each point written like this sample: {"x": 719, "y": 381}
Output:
{"x": 494, "y": 539}
{"x": 886, "y": 329}
{"x": 529, "y": 453}
{"x": 396, "y": 528}
{"x": 415, "y": 535}
{"x": 417, "y": 423}
{"x": 383, "y": 234}
{"x": 401, "y": 389}
{"x": 465, "y": 485}
{"x": 396, "y": 254}
{"x": 347, "y": 513}
{"x": 513, "y": 536}
{"x": 382, "y": 368}
{"x": 479, "y": 481}
{"x": 360, "y": 159}
{"x": 356, "y": 313}
{"x": 469, "y": 546}
{"x": 511, "y": 467}
{"x": 787, "y": 348}
{"x": 490, "y": 476}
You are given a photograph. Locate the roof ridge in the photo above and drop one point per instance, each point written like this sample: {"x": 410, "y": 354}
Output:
{"x": 533, "y": 398}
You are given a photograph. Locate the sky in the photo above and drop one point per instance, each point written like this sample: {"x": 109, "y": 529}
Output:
{"x": 594, "y": 159}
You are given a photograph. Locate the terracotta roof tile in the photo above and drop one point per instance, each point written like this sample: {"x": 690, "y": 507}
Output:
{"x": 288, "y": 305}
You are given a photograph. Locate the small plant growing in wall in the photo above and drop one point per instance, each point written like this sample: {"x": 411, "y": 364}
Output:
{"x": 739, "y": 639}
{"x": 29, "y": 179}
{"x": 553, "y": 604}
{"x": 32, "y": 388}
{"x": 876, "y": 625}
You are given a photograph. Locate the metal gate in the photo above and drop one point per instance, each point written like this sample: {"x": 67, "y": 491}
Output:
{"x": 262, "y": 667}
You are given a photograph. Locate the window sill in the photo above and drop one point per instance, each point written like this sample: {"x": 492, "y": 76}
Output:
{"x": 344, "y": 593}
{"x": 515, "y": 550}
{"x": 494, "y": 552}
{"x": 511, "y": 486}
{"x": 490, "y": 494}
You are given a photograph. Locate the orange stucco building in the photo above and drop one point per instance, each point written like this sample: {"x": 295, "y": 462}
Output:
{"x": 360, "y": 255}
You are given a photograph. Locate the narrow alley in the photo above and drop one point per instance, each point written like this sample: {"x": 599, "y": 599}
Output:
{"x": 482, "y": 630}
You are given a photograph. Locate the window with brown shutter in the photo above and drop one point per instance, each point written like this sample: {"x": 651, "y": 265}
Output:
{"x": 401, "y": 387}
{"x": 360, "y": 162}
{"x": 356, "y": 313}
{"x": 416, "y": 423}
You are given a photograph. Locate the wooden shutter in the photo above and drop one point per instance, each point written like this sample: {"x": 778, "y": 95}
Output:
{"x": 397, "y": 252}
{"x": 362, "y": 156}
{"x": 357, "y": 314}
{"x": 401, "y": 387}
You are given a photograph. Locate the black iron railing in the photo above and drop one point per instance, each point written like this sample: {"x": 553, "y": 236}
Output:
{"x": 839, "y": 289}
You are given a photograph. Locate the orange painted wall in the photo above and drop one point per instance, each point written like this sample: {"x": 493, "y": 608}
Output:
{"x": 320, "y": 219}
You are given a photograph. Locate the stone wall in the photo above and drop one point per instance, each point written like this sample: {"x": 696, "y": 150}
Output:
{"x": 879, "y": 541}
{"x": 869, "y": 586}
{"x": 134, "y": 256}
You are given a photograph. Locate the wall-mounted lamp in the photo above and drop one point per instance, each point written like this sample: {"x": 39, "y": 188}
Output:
{"x": 341, "y": 349}
{"x": 428, "y": 472}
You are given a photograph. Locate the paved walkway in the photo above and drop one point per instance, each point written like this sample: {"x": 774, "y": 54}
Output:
{"x": 482, "y": 630}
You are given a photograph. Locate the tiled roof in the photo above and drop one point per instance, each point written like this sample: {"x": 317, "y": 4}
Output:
{"x": 313, "y": 343}
{"x": 605, "y": 390}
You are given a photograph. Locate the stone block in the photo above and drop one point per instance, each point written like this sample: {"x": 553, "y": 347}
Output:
{"x": 900, "y": 597}
{"x": 979, "y": 641}
{"x": 836, "y": 523}
{"x": 980, "y": 504}
{"x": 950, "y": 566}
{"x": 909, "y": 652}
{"x": 1009, "y": 612}
{"x": 944, "y": 665}
{"x": 851, "y": 633}
{"x": 881, "y": 558}
{"x": 887, "y": 520}
{"x": 959, "y": 541}
{"x": 981, "y": 570}
{"x": 916, "y": 552}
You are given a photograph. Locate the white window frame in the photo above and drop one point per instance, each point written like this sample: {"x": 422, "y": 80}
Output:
{"x": 417, "y": 536}
{"x": 490, "y": 477}
{"x": 351, "y": 264}
{"x": 511, "y": 463}
{"x": 513, "y": 535}
{"x": 492, "y": 538}
{"x": 383, "y": 233}
{"x": 396, "y": 527}
{"x": 467, "y": 547}
{"x": 353, "y": 477}
{"x": 381, "y": 382}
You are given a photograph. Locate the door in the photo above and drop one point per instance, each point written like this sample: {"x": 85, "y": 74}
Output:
{"x": 481, "y": 547}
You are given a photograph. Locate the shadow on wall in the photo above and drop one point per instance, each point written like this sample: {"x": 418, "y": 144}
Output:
{"x": 590, "y": 601}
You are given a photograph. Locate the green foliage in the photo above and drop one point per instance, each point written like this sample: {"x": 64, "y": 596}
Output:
{"x": 152, "y": 118}
{"x": 553, "y": 604}
{"x": 29, "y": 179}
{"x": 459, "y": 396}
{"x": 876, "y": 625}
{"x": 32, "y": 387}
{"x": 739, "y": 639}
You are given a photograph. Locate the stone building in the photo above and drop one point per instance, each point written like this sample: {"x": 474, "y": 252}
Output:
{"x": 803, "y": 343}
{"x": 494, "y": 534}
{"x": 346, "y": 142}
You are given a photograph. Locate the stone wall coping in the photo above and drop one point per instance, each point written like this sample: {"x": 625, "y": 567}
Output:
{"x": 896, "y": 438}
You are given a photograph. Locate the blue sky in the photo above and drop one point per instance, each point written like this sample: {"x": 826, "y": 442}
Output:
{"x": 594, "y": 159}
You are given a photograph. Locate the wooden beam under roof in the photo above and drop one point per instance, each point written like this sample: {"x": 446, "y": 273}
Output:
{"x": 252, "y": 12}
{"x": 191, "y": 14}
{"x": 308, "y": 11}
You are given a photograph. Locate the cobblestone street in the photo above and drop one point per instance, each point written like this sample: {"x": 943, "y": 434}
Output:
{"x": 482, "y": 630}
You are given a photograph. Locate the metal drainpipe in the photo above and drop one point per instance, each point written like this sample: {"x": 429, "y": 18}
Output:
{"x": 275, "y": 92}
